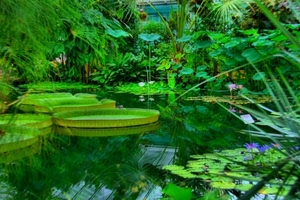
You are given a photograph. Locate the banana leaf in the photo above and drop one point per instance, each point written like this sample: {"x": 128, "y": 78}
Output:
{"x": 105, "y": 132}
{"x": 37, "y": 121}
{"x": 10, "y": 156}
{"x": 106, "y": 118}
{"x": 14, "y": 137}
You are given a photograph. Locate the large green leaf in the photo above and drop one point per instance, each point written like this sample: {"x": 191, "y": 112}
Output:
{"x": 231, "y": 44}
{"x": 251, "y": 54}
{"x": 202, "y": 44}
{"x": 184, "y": 38}
{"x": 261, "y": 43}
{"x": 177, "y": 193}
{"x": 19, "y": 153}
{"x": 56, "y": 102}
{"x": 106, "y": 117}
{"x": 149, "y": 37}
{"x": 17, "y": 137}
{"x": 105, "y": 132}
{"x": 117, "y": 33}
{"x": 215, "y": 36}
{"x": 31, "y": 120}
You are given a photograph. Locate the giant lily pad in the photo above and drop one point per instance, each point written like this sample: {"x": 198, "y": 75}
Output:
{"x": 14, "y": 137}
{"x": 105, "y": 132}
{"x": 56, "y": 102}
{"x": 105, "y": 118}
{"x": 31, "y": 120}
{"x": 10, "y": 156}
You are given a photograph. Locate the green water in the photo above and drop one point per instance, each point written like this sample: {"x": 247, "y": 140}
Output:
{"x": 121, "y": 167}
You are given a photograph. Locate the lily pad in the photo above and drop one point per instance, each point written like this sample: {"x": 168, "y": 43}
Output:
{"x": 105, "y": 132}
{"x": 17, "y": 137}
{"x": 106, "y": 118}
{"x": 223, "y": 185}
{"x": 31, "y": 120}
{"x": 7, "y": 157}
{"x": 56, "y": 102}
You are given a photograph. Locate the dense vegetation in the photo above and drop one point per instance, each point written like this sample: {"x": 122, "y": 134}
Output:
{"x": 245, "y": 47}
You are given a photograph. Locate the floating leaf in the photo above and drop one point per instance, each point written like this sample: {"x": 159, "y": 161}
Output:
{"x": 177, "y": 193}
{"x": 172, "y": 167}
{"x": 223, "y": 185}
{"x": 268, "y": 190}
{"x": 244, "y": 187}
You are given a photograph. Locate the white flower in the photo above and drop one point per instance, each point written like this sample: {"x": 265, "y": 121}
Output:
{"x": 141, "y": 99}
{"x": 141, "y": 84}
{"x": 151, "y": 99}
{"x": 151, "y": 82}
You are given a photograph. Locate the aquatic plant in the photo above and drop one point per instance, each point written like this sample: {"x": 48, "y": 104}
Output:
{"x": 105, "y": 118}
{"x": 58, "y": 102}
{"x": 237, "y": 169}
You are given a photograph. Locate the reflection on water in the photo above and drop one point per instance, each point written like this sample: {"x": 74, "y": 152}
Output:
{"x": 76, "y": 164}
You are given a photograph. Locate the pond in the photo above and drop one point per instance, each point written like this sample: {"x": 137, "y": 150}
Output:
{"x": 125, "y": 166}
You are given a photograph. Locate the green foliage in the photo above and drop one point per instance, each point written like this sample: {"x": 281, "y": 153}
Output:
{"x": 27, "y": 31}
{"x": 177, "y": 193}
{"x": 80, "y": 31}
{"x": 226, "y": 170}
{"x": 57, "y": 86}
{"x": 143, "y": 89}
{"x": 155, "y": 27}
{"x": 119, "y": 69}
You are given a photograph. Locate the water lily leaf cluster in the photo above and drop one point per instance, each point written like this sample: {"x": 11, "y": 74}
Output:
{"x": 230, "y": 169}
{"x": 232, "y": 100}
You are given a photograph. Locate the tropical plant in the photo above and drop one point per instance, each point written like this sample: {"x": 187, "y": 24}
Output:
{"x": 27, "y": 31}
{"x": 227, "y": 13}
{"x": 118, "y": 69}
